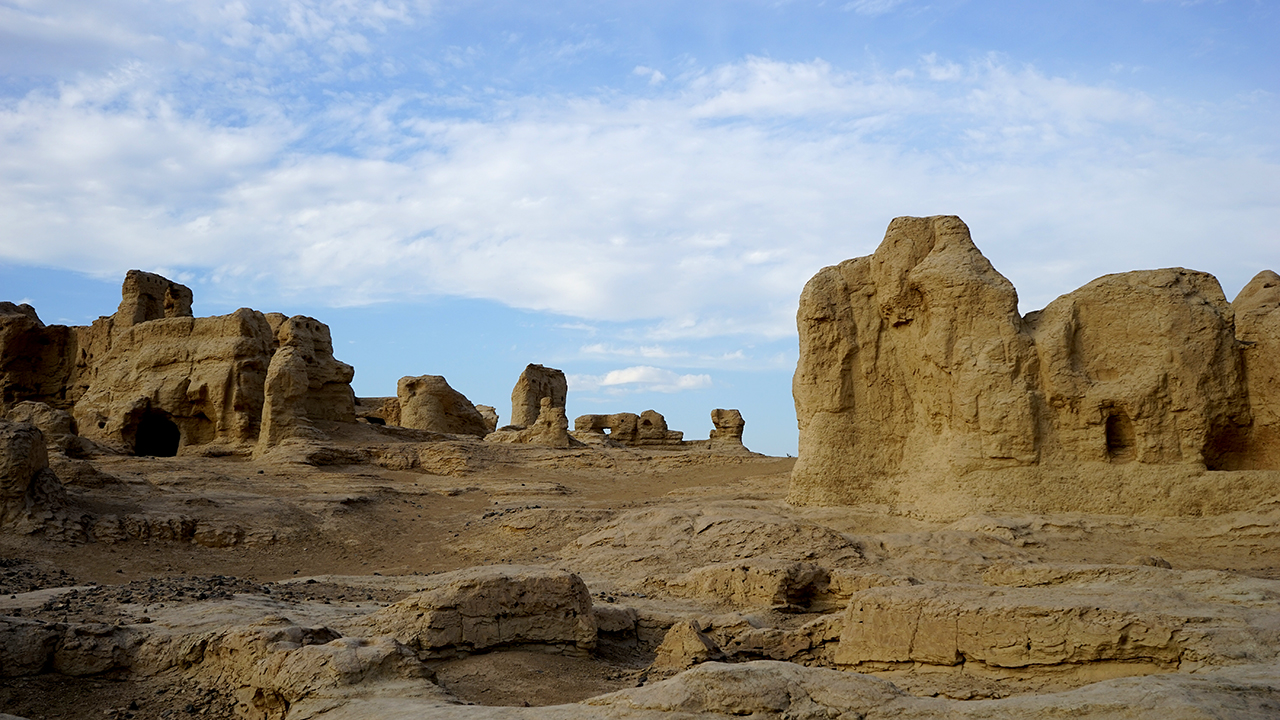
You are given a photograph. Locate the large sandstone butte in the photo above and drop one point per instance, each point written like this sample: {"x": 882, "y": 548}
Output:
{"x": 921, "y": 387}
{"x": 152, "y": 379}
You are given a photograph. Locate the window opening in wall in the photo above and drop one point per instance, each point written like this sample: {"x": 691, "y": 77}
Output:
{"x": 158, "y": 436}
{"x": 1120, "y": 438}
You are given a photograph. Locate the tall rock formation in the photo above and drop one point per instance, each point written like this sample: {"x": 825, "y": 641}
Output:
{"x": 304, "y": 382}
{"x": 913, "y": 359}
{"x": 920, "y": 386}
{"x": 1257, "y": 310}
{"x": 152, "y": 379}
{"x": 535, "y": 383}
{"x": 727, "y": 427}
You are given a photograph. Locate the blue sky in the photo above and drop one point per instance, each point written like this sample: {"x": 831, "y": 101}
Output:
{"x": 632, "y": 192}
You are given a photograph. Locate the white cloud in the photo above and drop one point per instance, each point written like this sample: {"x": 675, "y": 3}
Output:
{"x": 655, "y": 76}
{"x": 700, "y": 209}
{"x": 640, "y": 378}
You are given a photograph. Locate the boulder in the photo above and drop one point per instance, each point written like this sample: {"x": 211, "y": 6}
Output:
{"x": 58, "y": 426}
{"x": 535, "y": 383}
{"x": 428, "y": 403}
{"x": 26, "y": 646}
{"x": 482, "y": 608}
{"x": 684, "y": 646}
{"x": 758, "y": 582}
{"x": 652, "y": 430}
{"x": 274, "y": 664}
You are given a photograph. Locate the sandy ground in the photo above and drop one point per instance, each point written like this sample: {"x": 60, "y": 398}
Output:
{"x": 297, "y": 533}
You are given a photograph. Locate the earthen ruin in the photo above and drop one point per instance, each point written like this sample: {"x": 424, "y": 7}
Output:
{"x": 920, "y": 386}
{"x": 535, "y": 383}
{"x": 649, "y": 428}
{"x": 1040, "y": 528}
{"x": 151, "y": 379}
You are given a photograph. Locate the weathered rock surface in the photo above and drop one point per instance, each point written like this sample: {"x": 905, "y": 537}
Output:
{"x": 379, "y": 410}
{"x": 26, "y": 483}
{"x": 147, "y": 296}
{"x": 535, "y": 383}
{"x": 759, "y": 582}
{"x": 490, "y": 416}
{"x": 428, "y": 403}
{"x": 727, "y": 429}
{"x": 648, "y": 429}
{"x": 482, "y": 608}
{"x": 551, "y": 429}
{"x": 1141, "y": 366}
{"x": 1257, "y": 312}
{"x": 151, "y": 379}
{"x": 684, "y": 646}
{"x": 58, "y": 427}
{"x": 36, "y": 361}
{"x": 775, "y": 689}
{"x": 919, "y": 386}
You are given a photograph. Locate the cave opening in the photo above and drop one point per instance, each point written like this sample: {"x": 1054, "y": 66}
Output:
{"x": 1226, "y": 447}
{"x": 158, "y": 436}
{"x": 1120, "y": 438}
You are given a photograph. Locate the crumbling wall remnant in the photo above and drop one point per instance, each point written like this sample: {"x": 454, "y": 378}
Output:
{"x": 136, "y": 380}
{"x": 920, "y": 385}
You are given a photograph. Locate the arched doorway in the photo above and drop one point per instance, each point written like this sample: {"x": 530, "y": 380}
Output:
{"x": 1121, "y": 440}
{"x": 157, "y": 436}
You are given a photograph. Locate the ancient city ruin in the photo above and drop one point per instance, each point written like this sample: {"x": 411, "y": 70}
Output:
{"x": 920, "y": 385}
{"x": 1067, "y": 513}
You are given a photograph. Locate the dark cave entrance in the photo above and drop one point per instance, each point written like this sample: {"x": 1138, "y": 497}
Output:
{"x": 1120, "y": 438}
{"x": 1226, "y": 447}
{"x": 158, "y": 436}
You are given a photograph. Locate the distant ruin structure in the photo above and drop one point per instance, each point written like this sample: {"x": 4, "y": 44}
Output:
{"x": 649, "y": 428}
{"x": 428, "y": 403}
{"x": 151, "y": 379}
{"x": 920, "y": 386}
{"x": 535, "y": 383}
{"x": 727, "y": 427}
{"x": 551, "y": 429}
